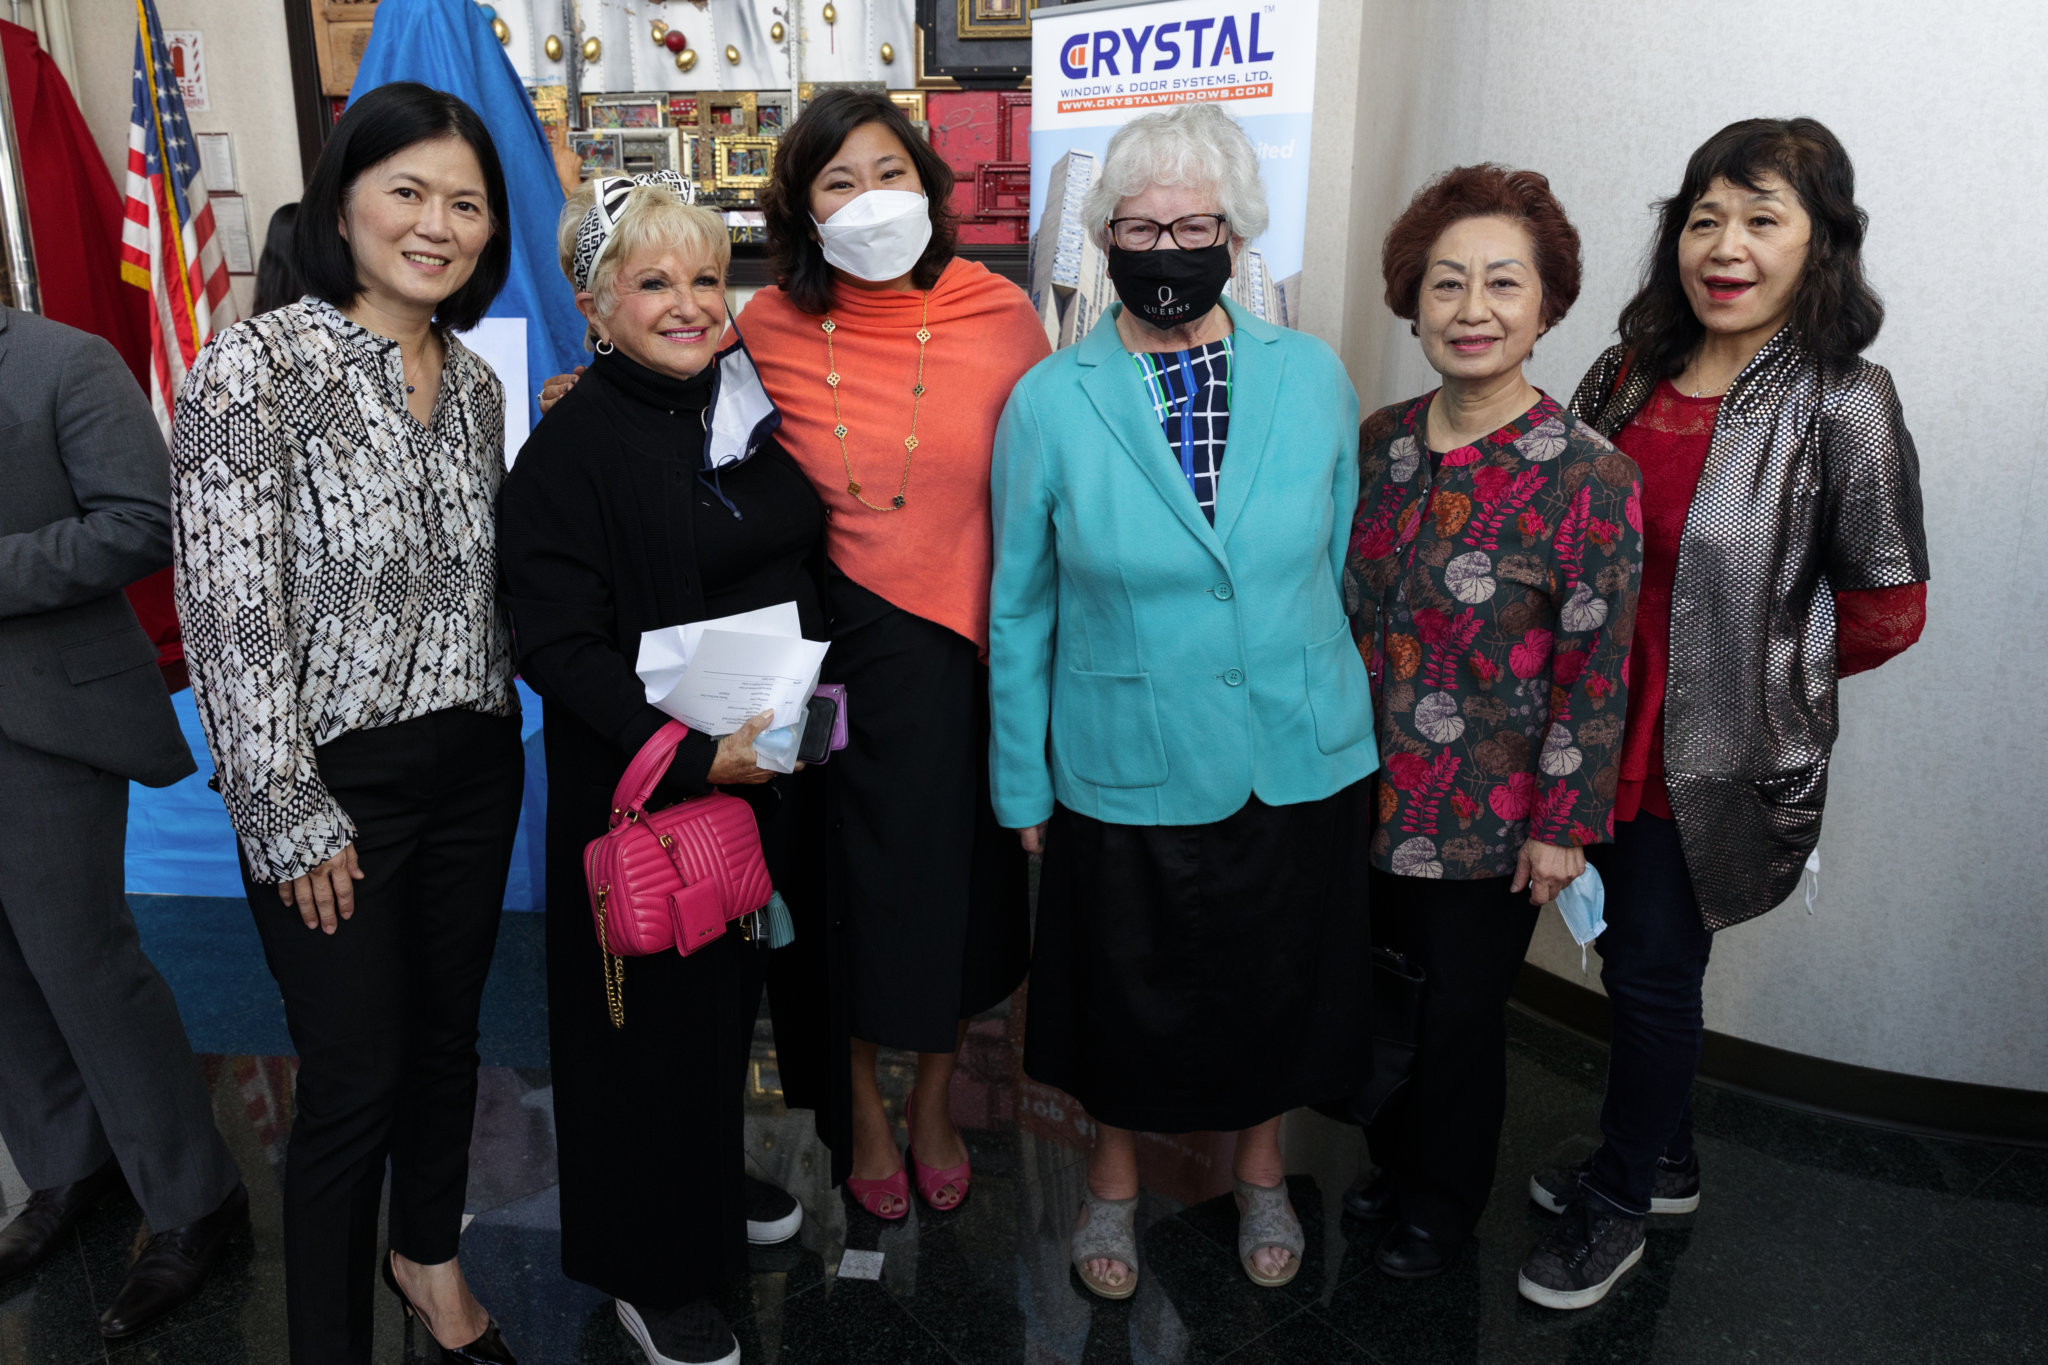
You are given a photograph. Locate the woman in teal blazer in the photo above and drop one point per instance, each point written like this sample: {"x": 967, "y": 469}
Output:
{"x": 1181, "y": 721}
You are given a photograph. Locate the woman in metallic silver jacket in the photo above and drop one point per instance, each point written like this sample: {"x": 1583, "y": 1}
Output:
{"x": 1783, "y": 547}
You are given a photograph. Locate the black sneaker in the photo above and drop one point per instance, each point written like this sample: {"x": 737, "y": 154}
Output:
{"x": 695, "y": 1334}
{"x": 1674, "y": 1189}
{"x": 1579, "y": 1260}
{"x": 773, "y": 1215}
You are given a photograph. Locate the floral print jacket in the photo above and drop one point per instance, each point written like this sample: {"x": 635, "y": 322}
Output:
{"x": 1494, "y": 605}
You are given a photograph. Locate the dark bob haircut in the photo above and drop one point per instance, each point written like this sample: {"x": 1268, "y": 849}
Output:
{"x": 1835, "y": 309}
{"x": 805, "y": 151}
{"x": 277, "y": 269}
{"x": 380, "y": 125}
{"x": 1482, "y": 191}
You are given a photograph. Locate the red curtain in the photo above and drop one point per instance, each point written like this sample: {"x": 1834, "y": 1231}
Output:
{"x": 75, "y": 215}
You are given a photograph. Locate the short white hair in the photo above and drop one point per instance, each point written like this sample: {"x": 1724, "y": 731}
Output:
{"x": 1193, "y": 144}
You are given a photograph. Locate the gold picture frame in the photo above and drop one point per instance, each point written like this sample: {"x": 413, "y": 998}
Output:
{"x": 624, "y": 111}
{"x": 743, "y": 163}
{"x": 911, "y": 102}
{"x": 730, "y": 113}
{"x": 995, "y": 18}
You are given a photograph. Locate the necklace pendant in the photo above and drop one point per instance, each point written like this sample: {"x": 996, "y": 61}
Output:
{"x": 924, "y": 334}
{"x": 917, "y": 390}
{"x": 897, "y": 502}
{"x": 909, "y": 443}
{"x": 854, "y": 489}
{"x": 840, "y": 431}
{"x": 833, "y": 379}
{"x": 829, "y": 326}
{"x": 408, "y": 388}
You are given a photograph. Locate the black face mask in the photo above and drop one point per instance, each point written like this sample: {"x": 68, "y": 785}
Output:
{"x": 1170, "y": 288}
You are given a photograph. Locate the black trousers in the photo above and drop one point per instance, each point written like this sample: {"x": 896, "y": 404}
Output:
{"x": 1439, "y": 1136}
{"x": 383, "y": 1012}
{"x": 1653, "y": 959}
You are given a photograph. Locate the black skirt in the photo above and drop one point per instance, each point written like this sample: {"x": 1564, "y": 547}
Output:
{"x": 1204, "y": 977}
{"x": 929, "y": 892}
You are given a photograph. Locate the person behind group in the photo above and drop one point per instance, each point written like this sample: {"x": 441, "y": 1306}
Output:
{"x": 1496, "y": 555}
{"x": 278, "y": 281}
{"x": 335, "y": 463}
{"x": 1783, "y": 549}
{"x": 97, "y": 1080}
{"x": 620, "y": 517}
{"x": 1183, "y": 724}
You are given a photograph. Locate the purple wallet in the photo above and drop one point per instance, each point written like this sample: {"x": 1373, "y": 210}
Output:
{"x": 837, "y": 692}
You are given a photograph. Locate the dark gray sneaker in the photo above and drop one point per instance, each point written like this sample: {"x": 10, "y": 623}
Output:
{"x": 1675, "y": 1189}
{"x": 1579, "y": 1260}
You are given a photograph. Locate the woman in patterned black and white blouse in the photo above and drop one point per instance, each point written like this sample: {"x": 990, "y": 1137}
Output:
{"x": 335, "y": 466}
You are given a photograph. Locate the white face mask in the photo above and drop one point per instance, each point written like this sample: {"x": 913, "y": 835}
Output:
{"x": 878, "y": 236}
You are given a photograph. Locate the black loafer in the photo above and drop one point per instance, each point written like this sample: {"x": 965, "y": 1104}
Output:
{"x": 172, "y": 1266}
{"x": 1409, "y": 1253}
{"x": 1371, "y": 1199}
{"x": 48, "y": 1215}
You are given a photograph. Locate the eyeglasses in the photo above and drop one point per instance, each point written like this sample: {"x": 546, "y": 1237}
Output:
{"x": 1192, "y": 233}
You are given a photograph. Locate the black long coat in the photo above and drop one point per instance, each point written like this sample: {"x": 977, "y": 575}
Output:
{"x": 606, "y": 529}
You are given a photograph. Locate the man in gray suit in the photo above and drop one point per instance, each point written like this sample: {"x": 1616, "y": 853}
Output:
{"x": 97, "y": 1080}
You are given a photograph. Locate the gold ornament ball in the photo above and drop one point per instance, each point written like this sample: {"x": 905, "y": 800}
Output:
{"x": 732, "y": 54}
{"x": 592, "y": 49}
{"x": 686, "y": 59}
{"x": 660, "y": 30}
{"x": 888, "y": 54}
{"x": 775, "y": 32}
{"x": 502, "y": 33}
{"x": 831, "y": 15}
{"x": 553, "y": 47}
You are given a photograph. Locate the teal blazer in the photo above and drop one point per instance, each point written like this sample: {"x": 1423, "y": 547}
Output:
{"x": 1147, "y": 668}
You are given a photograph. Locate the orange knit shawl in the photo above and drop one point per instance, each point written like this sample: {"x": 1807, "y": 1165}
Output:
{"x": 932, "y": 558}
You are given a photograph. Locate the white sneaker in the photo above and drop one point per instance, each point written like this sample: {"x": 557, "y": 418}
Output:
{"x": 695, "y": 1334}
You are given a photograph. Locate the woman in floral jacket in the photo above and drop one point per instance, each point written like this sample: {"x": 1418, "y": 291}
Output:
{"x": 1492, "y": 581}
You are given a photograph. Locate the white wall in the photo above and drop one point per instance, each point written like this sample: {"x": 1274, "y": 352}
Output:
{"x": 249, "y": 78}
{"x": 1929, "y": 950}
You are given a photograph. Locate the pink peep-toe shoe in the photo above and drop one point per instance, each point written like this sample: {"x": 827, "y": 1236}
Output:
{"x": 929, "y": 1181}
{"x": 869, "y": 1194}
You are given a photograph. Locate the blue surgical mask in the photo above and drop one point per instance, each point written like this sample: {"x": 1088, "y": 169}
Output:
{"x": 1583, "y": 903}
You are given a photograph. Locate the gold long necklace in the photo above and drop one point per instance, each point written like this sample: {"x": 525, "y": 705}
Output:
{"x": 924, "y": 334}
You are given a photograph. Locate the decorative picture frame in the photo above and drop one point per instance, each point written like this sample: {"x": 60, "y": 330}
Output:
{"x": 597, "y": 151}
{"x": 911, "y": 102}
{"x": 771, "y": 114}
{"x": 730, "y": 113}
{"x": 642, "y": 151}
{"x": 686, "y": 110}
{"x": 624, "y": 111}
{"x": 986, "y": 19}
{"x": 744, "y": 163}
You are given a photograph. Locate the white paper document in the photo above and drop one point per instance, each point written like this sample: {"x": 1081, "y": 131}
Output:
{"x": 715, "y": 676}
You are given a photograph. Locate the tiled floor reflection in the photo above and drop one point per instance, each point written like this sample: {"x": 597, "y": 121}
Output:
{"x": 1816, "y": 1241}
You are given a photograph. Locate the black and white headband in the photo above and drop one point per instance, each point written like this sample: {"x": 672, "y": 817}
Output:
{"x": 594, "y": 234}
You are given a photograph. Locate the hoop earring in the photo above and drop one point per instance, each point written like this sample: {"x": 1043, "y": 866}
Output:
{"x": 604, "y": 347}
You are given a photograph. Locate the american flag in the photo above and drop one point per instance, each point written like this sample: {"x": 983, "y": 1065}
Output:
{"x": 168, "y": 245}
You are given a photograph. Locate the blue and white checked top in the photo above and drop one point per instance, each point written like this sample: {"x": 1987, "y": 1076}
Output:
{"x": 1190, "y": 393}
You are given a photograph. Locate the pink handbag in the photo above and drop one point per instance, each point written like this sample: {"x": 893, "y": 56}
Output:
{"x": 671, "y": 878}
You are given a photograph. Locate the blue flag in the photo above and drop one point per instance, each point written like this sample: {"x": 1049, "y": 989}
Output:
{"x": 448, "y": 44}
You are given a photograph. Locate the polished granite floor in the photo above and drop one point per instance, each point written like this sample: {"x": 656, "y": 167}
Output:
{"x": 1816, "y": 1240}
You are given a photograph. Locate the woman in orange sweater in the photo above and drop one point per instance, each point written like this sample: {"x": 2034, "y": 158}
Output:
{"x": 891, "y": 359}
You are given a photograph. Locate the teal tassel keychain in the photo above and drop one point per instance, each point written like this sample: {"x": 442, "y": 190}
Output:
{"x": 781, "y": 929}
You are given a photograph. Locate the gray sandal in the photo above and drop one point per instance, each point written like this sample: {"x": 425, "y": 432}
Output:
{"x": 1267, "y": 1220}
{"x": 1107, "y": 1235}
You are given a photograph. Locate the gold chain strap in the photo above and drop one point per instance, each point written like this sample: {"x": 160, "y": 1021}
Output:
{"x": 614, "y": 966}
{"x": 924, "y": 334}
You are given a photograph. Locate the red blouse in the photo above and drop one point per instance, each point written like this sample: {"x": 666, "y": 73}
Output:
{"x": 1668, "y": 440}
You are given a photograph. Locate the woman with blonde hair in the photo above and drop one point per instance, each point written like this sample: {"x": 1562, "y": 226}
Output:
{"x": 654, "y": 495}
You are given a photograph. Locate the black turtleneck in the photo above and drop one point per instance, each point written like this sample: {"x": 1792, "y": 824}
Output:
{"x": 608, "y": 527}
